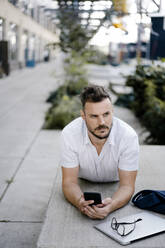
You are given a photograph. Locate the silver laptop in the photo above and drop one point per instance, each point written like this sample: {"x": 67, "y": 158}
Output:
{"x": 149, "y": 225}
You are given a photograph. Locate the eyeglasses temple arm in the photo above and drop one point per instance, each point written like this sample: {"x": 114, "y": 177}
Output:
{"x": 127, "y": 223}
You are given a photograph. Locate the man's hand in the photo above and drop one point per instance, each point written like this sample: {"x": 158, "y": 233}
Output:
{"x": 99, "y": 211}
{"x": 82, "y": 204}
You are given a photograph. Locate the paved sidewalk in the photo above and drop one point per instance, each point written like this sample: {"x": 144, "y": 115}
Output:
{"x": 29, "y": 156}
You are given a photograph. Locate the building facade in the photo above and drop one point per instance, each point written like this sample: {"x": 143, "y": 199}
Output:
{"x": 26, "y": 31}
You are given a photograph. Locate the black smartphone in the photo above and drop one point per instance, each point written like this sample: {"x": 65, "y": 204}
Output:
{"x": 93, "y": 196}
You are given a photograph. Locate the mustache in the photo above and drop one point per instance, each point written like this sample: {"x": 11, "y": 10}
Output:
{"x": 101, "y": 126}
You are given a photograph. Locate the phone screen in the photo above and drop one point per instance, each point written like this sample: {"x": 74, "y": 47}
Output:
{"x": 93, "y": 196}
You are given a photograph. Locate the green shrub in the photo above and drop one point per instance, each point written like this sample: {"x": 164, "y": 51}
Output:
{"x": 154, "y": 73}
{"x": 149, "y": 103}
{"x": 74, "y": 64}
{"x": 70, "y": 88}
{"x": 65, "y": 102}
{"x": 75, "y": 88}
{"x": 74, "y": 69}
{"x": 95, "y": 56}
{"x": 154, "y": 120}
{"x": 56, "y": 95}
{"x": 59, "y": 116}
{"x": 125, "y": 100}
{"x": 1, "y": 72}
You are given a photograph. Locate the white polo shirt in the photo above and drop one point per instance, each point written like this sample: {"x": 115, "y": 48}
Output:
{"x": 121, "y": 150}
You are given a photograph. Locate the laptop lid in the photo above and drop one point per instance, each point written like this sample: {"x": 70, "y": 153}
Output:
{"x": 150, "y": 225}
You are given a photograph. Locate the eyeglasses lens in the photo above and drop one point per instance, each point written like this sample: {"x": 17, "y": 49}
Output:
{"x": 123, "y": 229}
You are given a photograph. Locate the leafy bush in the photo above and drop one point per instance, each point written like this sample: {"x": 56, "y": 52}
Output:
{"x": 95, "y": 56}
{"x": 70, "y": 88}
{"x": 74, "y": 88}
{"x": 149, "y": 103}
{"x": 67, "y": 110}
{"x": 65, "y": 102}
{"x": 1, "y": 72}
{"x": 74, "y": 64}
{"x": 154, "y": 120}
{"x": 56, "y": 95}
{"x": 73, "y": 41}
{"x": 125, "y": 100}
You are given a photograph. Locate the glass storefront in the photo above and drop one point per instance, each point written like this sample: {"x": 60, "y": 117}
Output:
{"x": 30, "y": 51}
{"x": 12, "y": 34}
{"x": 32, "y": 47}
{"x": 24, "y": 45}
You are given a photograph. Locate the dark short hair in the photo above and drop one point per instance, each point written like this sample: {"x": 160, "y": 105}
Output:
{"x": 93, "y": 93}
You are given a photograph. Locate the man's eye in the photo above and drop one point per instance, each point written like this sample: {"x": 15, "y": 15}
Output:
{"x": 93, "y": 116}
{"x": 106, "y": 114}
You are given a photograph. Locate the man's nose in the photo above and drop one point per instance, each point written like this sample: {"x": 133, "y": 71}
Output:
{"x": 101, "y": 120}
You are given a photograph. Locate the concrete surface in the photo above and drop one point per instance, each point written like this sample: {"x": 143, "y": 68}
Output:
{"x": 29, "y": 192}
{"x": 66, "y": 227}
{"x": 29, "y": 156}
{"x": 8, "y": 166}
{"x": 19, "y": 235}
{"x": 28, "y": 165}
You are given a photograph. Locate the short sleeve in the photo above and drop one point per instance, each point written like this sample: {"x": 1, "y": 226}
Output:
{"x": 69, "y": 157}
{"x": 129, "y": 156}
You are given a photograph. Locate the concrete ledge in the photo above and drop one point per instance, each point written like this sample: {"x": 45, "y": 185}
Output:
{"x": 65, "y": 226}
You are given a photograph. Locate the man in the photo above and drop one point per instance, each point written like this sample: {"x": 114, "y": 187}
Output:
{"x": 100, "y": 148}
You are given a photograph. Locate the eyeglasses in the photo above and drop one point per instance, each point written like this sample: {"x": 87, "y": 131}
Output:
{"x": 123, "y": 228}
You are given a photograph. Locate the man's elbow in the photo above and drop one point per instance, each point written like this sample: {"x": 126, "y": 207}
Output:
{"x": 132, "y": 190}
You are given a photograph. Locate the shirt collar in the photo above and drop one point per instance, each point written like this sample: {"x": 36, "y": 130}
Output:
{"x": 111, "y": 138}
{"x": 86, "y": 137}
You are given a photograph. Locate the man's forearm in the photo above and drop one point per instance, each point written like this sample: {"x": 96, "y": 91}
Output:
{"x": 72, "y": 193}
{"x": 121, "y": 197}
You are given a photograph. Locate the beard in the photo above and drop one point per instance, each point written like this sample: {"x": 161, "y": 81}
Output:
{"x": 98, "y": 128}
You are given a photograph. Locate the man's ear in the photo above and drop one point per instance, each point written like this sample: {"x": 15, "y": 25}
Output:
{"x": 82, "y": 114}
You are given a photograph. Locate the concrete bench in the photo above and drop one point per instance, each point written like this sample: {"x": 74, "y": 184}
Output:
{"x": 66, "y": 227}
